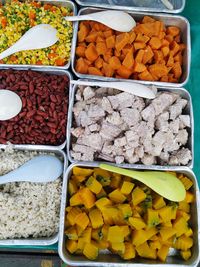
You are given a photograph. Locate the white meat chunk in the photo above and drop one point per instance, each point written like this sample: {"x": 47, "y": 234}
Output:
{"x": 132, "y": 136}
{"x": 148, "y": 113}
{"x": 181, "y": 157}
{"x": 125, "y": 100}
{"x": 176, "y": 109}
{"x": 170, "y": 144}
{"x": 96, "y": 112}
{"x": 88, "y": 93}
{"x": 164, "y": 156}
{"x": 90, "y": 101}
{"x": 119, "y": 142}
{"x": 77, "y": 132}
{"x": 84, "y": 120}
{"x": 79, "y": 95}
{"x": 94, "y": 127}
{"x": 184, "y": 121}
{"x": 114, "y": 118}
{"x": 82, "y": 149}
{"x": 148, "y": 159}
{"x": 78, "y": 107}
{"x": 106, "y": 105}
{"x": 114, "y": 101}
{"x": 182, "y": 137}
{"x": 89, "y": 156}
{"x": 130, "y": 116}
{"x": 162, "y": 122}
{"x": 101, "y": 91}
{"x": 106, "y": 157}
{"x": 107, "y": 147}
{"x": 75, "y": 155}
{"x": 119, "y": 159}
{"x": 117, "y": 151}
{"x": 139, "y": 151}
{"x": 156, "y": 150}
{"x": 109, "y": 131}
{"x": 138, "y": 103}
{"x": 94, "y": 140}
{"x": 163, "y": 101}
{"x": 174, "y": 126}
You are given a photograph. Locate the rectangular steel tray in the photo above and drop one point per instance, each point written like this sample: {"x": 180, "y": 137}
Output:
{"x": 36, "y": 241}
{"x": 115, "y": 261}
{"x": 136, "y": 5}
{"x": 48, "y": 71}
{"x": 64, "y": 3}
{"x": 168, "y": 19}
{"x": 188, "y": 110}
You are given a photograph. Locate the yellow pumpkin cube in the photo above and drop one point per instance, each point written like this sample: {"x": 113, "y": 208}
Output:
{"x": 183, "y": 243}
{"x": 186, "y": 254}
{"x": 115, "y": 180}
{"x": 82, "y": 220}
{"x": 96, "y": 218}
{"x": 166, "y": 213}
{"x": 79, "y": 230}
{"x": 78, "y": 179}
{"x": 71, "y": 245}
{"x": 127, "y": 187}
{"x": 88, "y": 198}
{"x": 167, "y": 232}
{"x": 93, "y": 185}
{"x": 138, "y": 196}
{"x": 181, "y": 226}
{"x": 71, "y": 233}
{"x": 97, "y": 234}
{"x": 115, "y": 234}
{"x": 102, "y": 244}
{"x": 110, "y": 215}
{"x": 72, "y": 187}
{"x": 71, "y": 215}
{"x": 126, "y": 210}
{"x": 87, "y": 235}
{"x": 167, "y": 224}
{"x": 80, "y": 245}
{"x": 90, "y": 251}
{"x": 158, "y": 202}
{"x": 102, "y": 203}
{"x": 116, "y": 196}
{"x": 189, "y": 232}
{"x": 145, "y": 251}
{"x": 183, "y": 214}
{"x": 189, "y": 197}
{"x": 102, "y": 176}
{"x": 126, "y": 230}
{"x": 129, "y": 252}
{"x": 101, "y": 194}
{"x": 186, "y": 181}
{"x": 118, "y": 248}
{"x": 152, "y": 218}
{"x": 155, "y": 244}
{"x": 104, "y": 231}
{"x": 139, "y": 237}
{"x": 137, "y": 223}
{"x": 184, "y": 206}
{"x": 79, "y": 171}
{"x": 150, "y": 232}
{"x": 162, "y": 253}
{"x": 75, "y": 199}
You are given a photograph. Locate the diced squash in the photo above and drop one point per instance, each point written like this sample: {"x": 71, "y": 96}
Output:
{"x": 76, "y": 199}
{"x": 147, "y": 19}
{"x": 138, "y": 196}
{"x": 97, "y": 234}
{"x": 165, "y": 50}
{"x": 163, "y": 252}
{"x": 137, "y": 223}
{"x": 112, "y": 215}
{"x": 186, "y": 182}
{"x": 91, "y": 38}
{"x": 114, "y": 63}
{"x": 177, "y": 70}
{"x": 158, "y": 202}
{"x": 167, "y": 232}
{"x": 116, "y": 196}
{"x": 152, "y": 218}
{"x": 185, "y": 215}
{"x": 78, "y": 171}
{"x": 139, "y": 67}
{"x": 110, "y": 41}
{"x": 99, "y": 63}
{"x": 88, "y": 198}
{"x": 181, "y": 226}
{"x": 158, "y": 56}
{"x": 103, "y": 176}
{"x": 155, "y": 244}
{"x": 102, "y": 203}
{"x": 71, "y": 215}
{"x": 87, "y": 235}
{"x": 189, "y": 232}
{"x": 145, "y": 251}
{"x": 183, "y": 243}
{"x": 174, "y": 47}
{"x": 94, "y": 71}
{"x": 121, "y": 40}
{"x": 118, "y": 248}
{"x": 186, "y": 254}
{"x": 126, "y": 210}
{"x": 139, "y": 56}
{"x": 139, "y": 237}
{"x": 72, "y": 187}
{"x": 115, "y": 234}
{"x": 150, "y": 232}
{"x": 90, "y": 251}
{"x": 108, "y": 71}
{"x": 158, "y": 70}
{"x": 126, "y": 230}
{"x": 83, "y": 32}
{"x": 96, "y": 218}
{"x": 172, "y": 30}
{"x": 128, "y": 61}
{"x": 184, "y": 206}
{"x": 155, "y": 43}
{"x": 145, "y": 75}
{"x": 124, "y": 72}
{"x": 80, "y": 51}
{"x": 93, "y": 185}
{"x": 82, "y": 220}
{"x": 166, "y": 213}
{"x": 91, "y": 52}
{"x": 115, "y": 180}
{"x": 101, "y": 194}
{"x": 189, "y": 197}
{"x": 127, "y": 187}
{"x": 142, "y": 38}
{"x": 101, "y": 48}
{"x": 148, "y": 55}
{"x": 139, "y": 45}
{"x": 81, "y": 66}
{"x": 104, "y": 231}
{"x": 71, "y": 233}
{"x": 129, "y": 252}
{"x": 108, "y": 33}
{"x": 102, "y": 244}
{"x": 71, "y": 245}
{"x": 132, "y": 37}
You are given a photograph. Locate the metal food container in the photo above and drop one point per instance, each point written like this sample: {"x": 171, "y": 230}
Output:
{"x": 168, "y": 20}
{"x": 64, "y": 3}
{"x": 45, "y": 241}
{"x": 188, "y": 111}
{"x": 136, "y": 5}
{"x": 46, "y": 70}
{"x": 106, "y": 259}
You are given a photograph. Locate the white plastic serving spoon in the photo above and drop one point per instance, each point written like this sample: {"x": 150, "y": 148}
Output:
{"x": 39, "y": 36}
{"x": 163, "y": 183}
{"x": 117, "y": 20}
{"x": 10, "y": 104}
{"x": 40, "y": 169}
{"x": 129, "y": 87}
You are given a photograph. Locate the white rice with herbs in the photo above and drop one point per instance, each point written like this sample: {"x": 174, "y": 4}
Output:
{"x": 27, "y": 209}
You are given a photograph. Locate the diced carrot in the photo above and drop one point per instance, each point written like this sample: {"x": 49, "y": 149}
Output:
{"x": 108, "y": 33}
{"x": 178, "y": 58}
{"x": 3, "y": 22}
{"x": 175, "y": 48}
{"x": 115, "y": 63}
{"x": 164, "y": 78}
{"x": 39, "y": 62}
{"x": 91, "y": 38}
{"x": 139, "y": 56}
{"x": 107, "y": 57}
{"x": 108, "y": 70}
{"x": 52, "y": 55}
{"x": 83, "y": 32}
{"x": 170, "y": 61}
{"x": 155, "y": 43}
{"x": 80, "y": 51}
{"x": 165, "y": 51}
{"x": 158, "y": 70}
{"x": 158, "y": 56}
{"x": 60, "y": 62}
{"x": 145, "y": 75}
{"x": 91, "y": 52}
{"x": 47, "y": 7}
{"x": 177, "y": 70}
{"x": 147, "y": 19}
{"x": 81, "y": 66}
{"x": 172, "y": 30}
{"x": 13, "y": 58}
{"x": 32, "y": 14}
{"x": 124, "y": 72}
{"x": 117, "y": 53}
{"x": 139, "y": 67}
{"x": 100, "y": 39}
{"x": 110, "y": 41}
{"x": 121, "y": 40}
{"x": 132, "y": 36}
{"x": 94, "y": 71}
{"x": 98, "y": 63}
{"x": 36, "y": 4}
{"x": 139, "y": 45}
{"x": 169, "y": 38}
{"x": 165, "y": 42}
{"x": 142, "y": 38}
{"x": 161, "y": 35}
{"x": 128, "y": 61}
{"x": 101, "y": 48}
{"x": 148, "y": 55}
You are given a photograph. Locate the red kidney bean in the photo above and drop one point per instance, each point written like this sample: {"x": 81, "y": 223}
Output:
{"x": 43, "y": 117}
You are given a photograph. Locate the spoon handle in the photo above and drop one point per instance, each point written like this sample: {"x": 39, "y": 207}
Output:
{"x": 8, "y": 52}
{"x": 78, "y": 18}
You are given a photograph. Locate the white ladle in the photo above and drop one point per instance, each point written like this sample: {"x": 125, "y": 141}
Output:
{"x": 10, "y": 104}
{"x": 129, "y": 87}
{"x": 40, "y": 169}
{"x": 117, "y": 20}
{"x": 39, "y": 36}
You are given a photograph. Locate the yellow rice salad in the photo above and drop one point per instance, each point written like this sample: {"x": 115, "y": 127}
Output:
{"x": 18, "y": 17}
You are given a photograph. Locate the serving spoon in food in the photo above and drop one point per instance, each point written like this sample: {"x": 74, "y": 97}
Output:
{"x": 37, "y": 37}
{"x": 40, "y": 169}
{"x": 163, "y": 183}
{"x": 10, "y": 104}
{"x": 128, "y": 87}
{"x": 114, "y": 19}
